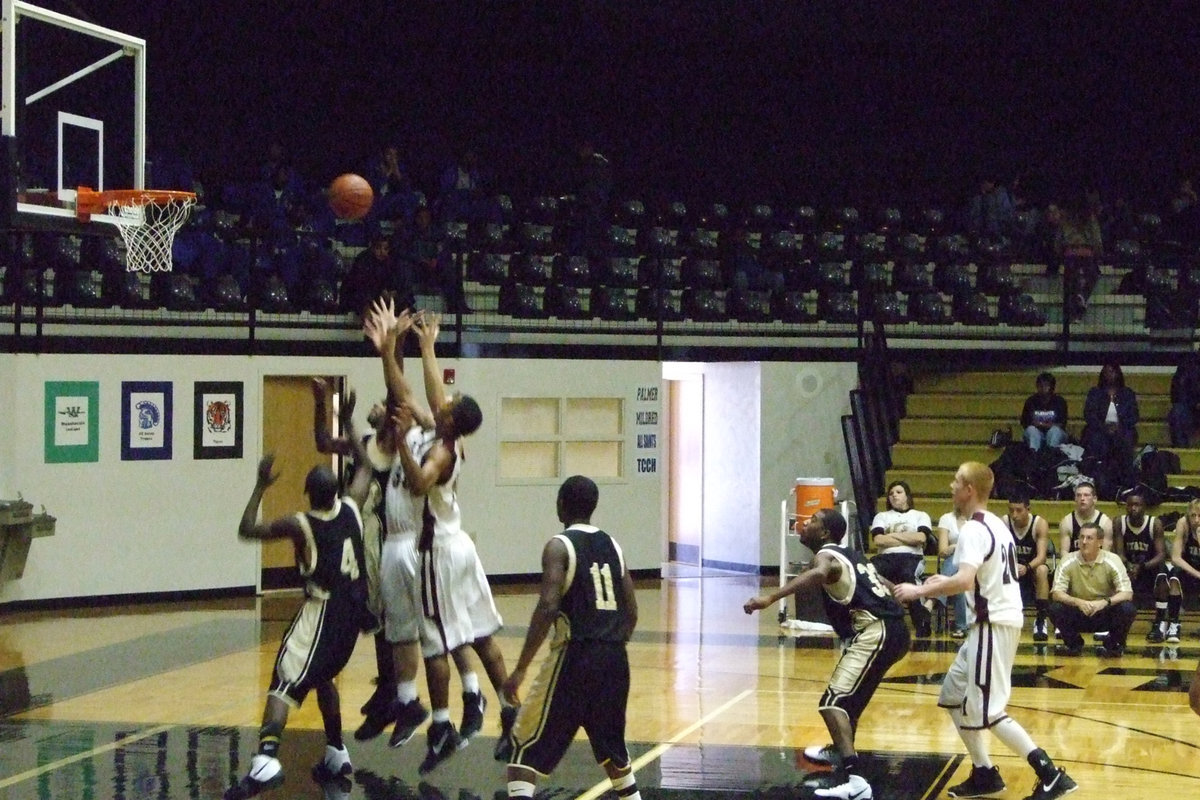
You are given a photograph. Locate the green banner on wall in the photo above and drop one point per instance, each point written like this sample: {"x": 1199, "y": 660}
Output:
{"x": 72, "y": 421}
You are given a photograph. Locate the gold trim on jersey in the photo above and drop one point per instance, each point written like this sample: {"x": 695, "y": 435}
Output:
{"x": 535, "y": 710}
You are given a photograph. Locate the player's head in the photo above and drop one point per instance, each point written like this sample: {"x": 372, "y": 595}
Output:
{"x": 1018, "y": 507}
{"x": 1045, "y": 383}
{"x": 1089, "y": 539}
{"x": 577, "y": 499}
{"x": 972, "y": 486}
{"x": 826, "y": 525}
{"x": 1135, "y": 505}
{"x": 1085, "y": 496}
{"x": 377, "y": 415}
{"x": 321, "y": 486}
{"x": 460, "y": 416}
{"x": 899, "y": 496}
{"x": 1193, "y": 513}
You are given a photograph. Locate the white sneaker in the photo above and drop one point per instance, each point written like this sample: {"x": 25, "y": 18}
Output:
{"x": 336, "y": 764}
{"x": 1173, "y": 633}
{"x": 1099, "y": 636}
{"x": 822, "y": 754}
{"x": 855, "y": 788}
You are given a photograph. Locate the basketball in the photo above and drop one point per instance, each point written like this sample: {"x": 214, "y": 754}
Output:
{"x": 350, "y": 196}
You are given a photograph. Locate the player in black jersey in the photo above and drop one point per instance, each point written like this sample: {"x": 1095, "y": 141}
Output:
{"x": 1139, "y": 540}
{"x": 1085, "y": 511}
{"x": 329, "y": 554}
{"x": 870, "y": 623}
{"x": 1185, "y": 561}
{"x": 1031, "y": 539}
{"x": 587, "y": 597}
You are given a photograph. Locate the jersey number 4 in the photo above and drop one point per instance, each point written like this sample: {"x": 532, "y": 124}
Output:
{"x": 602, "y": 582}
{"x": 349, "y": 562}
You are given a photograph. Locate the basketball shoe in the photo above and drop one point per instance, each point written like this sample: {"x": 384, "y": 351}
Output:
{"x": 265, "y": 773}
{"x": 474, "y": 704}
{"x": 1039, "y": 631}
{"x": 336, "y": 764}
{"x": 444, "y": 742}
{"x": 983, "y": 782}
{"x": 1061, "y": 785}
{"x": 822, "y": 754}
{"x": 855, "y": 788}
{"x": 409, "y": 717}
{"x": 1158, "y": 633}
{"x": 1173, "y": 632}
{"x": 504, "y": 742}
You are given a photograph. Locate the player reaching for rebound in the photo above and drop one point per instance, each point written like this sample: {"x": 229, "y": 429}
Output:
{"x": 871, "y": 625}
{"x": 977, "y": 686}
{"x": 329, "y": 553}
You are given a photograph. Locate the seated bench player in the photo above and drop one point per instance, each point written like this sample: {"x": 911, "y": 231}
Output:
{"x": 1031, "y": 535}
{"x": 1138, "y": 540}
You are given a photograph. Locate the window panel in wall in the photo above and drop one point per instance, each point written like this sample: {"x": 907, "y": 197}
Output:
{"x": 525, "y": 460}
{"x": 549, "y": 438}
{"x": 594, "y": 459}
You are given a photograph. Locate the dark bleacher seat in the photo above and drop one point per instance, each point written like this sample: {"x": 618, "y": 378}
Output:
{"x": 613, "y": 303}
{"x": 567, "y": 302}
{"x": 928, "y": 308}
{"x": 791, "y": 306}
{"x": 831, "y": 276}
{"x": 321, "y": 297}
{"x": 658, "y": 303}
{"x": 534, "y": 269}
{"x": 226, "y": 295}
{"x": 124, "y": 290}
{"x": 704, "y": 305}
{"x": 760, "y": 218}
{"x": 750, "y": 305}
{"x": 542, "y": 210}
{"x": 274, "y": 298}
{"x": 830, "y": 246}
{"x": 997, "y": 278}
{"x": 665, "y": 272}
{"x": 912, "y": 277}
{"x": 536, "y": 237}
{"x": 620, "y": 271}
{"x": 621, "y": 241}
{"x": 702, "y": 273}
{"x": 836, "y": 306}
{"x": 572, "y": 271}
{"x": 1020, "y": 309}
{"x": 489, "y": 268}
{"x": 887, "y": 307}
{"x": 522, "y": 302}
{"x": 972, "y": 308}
{"x": 81, "y": 288}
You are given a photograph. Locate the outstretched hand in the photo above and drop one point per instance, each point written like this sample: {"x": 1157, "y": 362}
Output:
{"x": 427, "y": 327}
{"x": 265, "y": 475}
{"x": 511, "y": 688}
{"x": 756, "y": 604}
{"x": 320, "y": 388}
{"x": 346, "y": 410}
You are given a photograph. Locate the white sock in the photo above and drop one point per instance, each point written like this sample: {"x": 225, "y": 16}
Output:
{"x": 975, "y": 740}
{"x": 1014, "y": 737}
{"x": 406, "y": 691}
{"x": 520, "y": 789}
{"x": 441, "y": 715}
{"x": 470, "y": 682}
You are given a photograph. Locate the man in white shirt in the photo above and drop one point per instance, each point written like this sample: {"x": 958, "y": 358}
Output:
{"x": 978, "y": 684}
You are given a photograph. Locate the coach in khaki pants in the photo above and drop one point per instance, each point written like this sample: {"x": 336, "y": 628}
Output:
{"x": 1092, "y": 593}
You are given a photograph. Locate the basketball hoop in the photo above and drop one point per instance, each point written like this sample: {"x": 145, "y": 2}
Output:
{"x": 147, "y": 219}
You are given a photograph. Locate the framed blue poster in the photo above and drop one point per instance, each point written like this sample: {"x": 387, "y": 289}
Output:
{"x": 146, "y": 420}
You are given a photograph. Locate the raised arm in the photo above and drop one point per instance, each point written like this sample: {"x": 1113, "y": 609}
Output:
{"x": 438, "y": 464}
{"x": 427, "y": 328}
{"x": 326, "y": 442}
{"x": 387, "y": 331}
{"x": 250, "y": 527}
{"x": 360, "y": 483}
{"x": 554, "y": 578}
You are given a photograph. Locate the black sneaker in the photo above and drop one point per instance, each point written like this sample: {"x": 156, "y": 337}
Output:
{"x": 1039, "y": 631}
{"x": 444, "y": 742}
{"x": 1156, "y": 634}
{"x": 378, "y": 718}
{"x": 265, "y": 773}
{"x": 381, "y": 700}
{"x": 983, "y": 782}
{"x": 1104, "y": 651}
{"x": 1068, "y": 650}
{"x": 504, "y": 742}
{"x": 474, "y": 704}
{"x": 409, "y": 717}
{"x": 1061, "y": 785}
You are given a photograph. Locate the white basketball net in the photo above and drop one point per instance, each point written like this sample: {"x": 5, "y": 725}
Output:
{"x": 149, "y": 229}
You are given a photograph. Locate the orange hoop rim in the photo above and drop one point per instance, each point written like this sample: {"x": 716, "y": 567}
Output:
{"x": 89, "y": 201}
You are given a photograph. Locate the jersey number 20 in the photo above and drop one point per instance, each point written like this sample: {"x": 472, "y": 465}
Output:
{"x": 602, "y": 582}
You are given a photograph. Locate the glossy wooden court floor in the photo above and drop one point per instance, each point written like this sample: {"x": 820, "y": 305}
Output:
{"x": 163, "y": 703}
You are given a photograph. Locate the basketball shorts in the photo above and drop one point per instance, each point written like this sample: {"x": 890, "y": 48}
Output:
{"x": 315, "y": 648}
{"x": 372, "y": 555}
{"x": 979, "y": 682}
{"x": 456, "y": 605}
{"x": 580, "y": 685}
{"x": 399, "y": 588}
{"x": 865, "y": 660}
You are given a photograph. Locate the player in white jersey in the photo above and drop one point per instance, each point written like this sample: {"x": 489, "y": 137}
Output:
{"x": 977, "y": 686}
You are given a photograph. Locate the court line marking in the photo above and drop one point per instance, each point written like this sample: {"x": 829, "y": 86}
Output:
{"x": 95, "y": 751}
{"x": 658, "y": 750}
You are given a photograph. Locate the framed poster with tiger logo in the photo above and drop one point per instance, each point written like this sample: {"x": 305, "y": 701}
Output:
{"x": 146, "y": 420}
{"x": 218, "y": 422}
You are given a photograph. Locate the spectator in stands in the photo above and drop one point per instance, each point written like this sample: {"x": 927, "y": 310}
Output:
{"x": 991, "y": 213}
{"x": 373, "y": 273}
{"x": 1183, "y": 224}
{"x": 899, "y": 535}
{"x": 277, "y": 159}
{"x": 742, "y": 264}
{"x": 1110, "y": 415}
{"x": 395, "y": 197}
{"x": 1044, "y": 417}
{"x": 1185, "y": 400}
{"x": 429, "y": 263}
{"x": 461, "y": 196}
{"x": 1092, "y": 593}
{"x": 1080, "y": 245}
{"x": 955, "y": 605}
